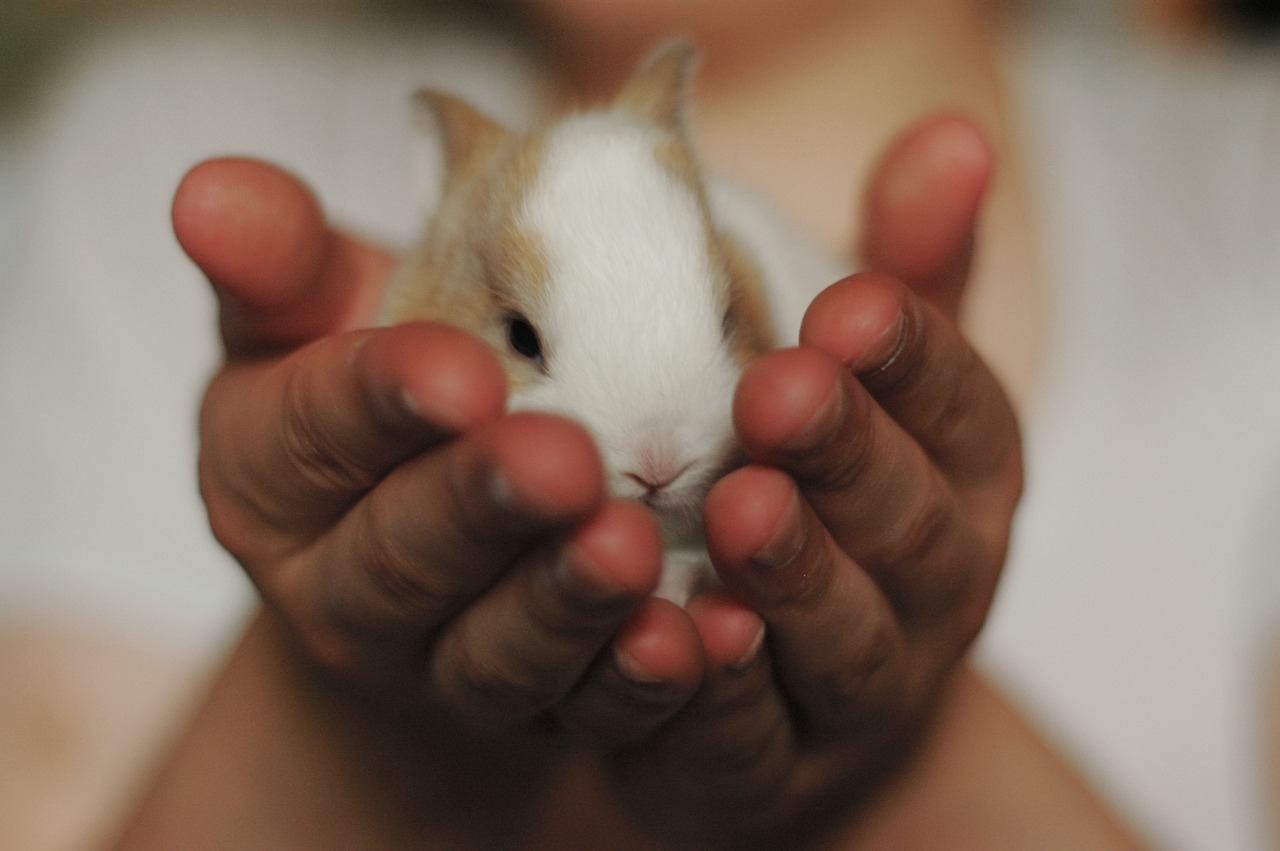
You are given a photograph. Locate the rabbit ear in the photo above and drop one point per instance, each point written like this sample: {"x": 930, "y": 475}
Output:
{"x": 656, "y": 91}
{"x": 466, "y": 135}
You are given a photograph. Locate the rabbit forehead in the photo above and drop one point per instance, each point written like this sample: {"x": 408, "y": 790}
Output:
{"x": 625, "y": 239}
{"x": 634, "y": 318}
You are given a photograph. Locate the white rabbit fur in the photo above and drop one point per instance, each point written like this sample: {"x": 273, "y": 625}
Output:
{"x": 643, "y": 285}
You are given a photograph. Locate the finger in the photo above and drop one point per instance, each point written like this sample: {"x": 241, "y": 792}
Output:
{"x": 718, "y": 766}
{"x": 294, "y": 444}
{"x": 521, "y": 648}
{"x": 833, "y": 636}
{"x": 650, "y": 670}
{"x": 732, "y": 635}
{"x": 736, "y": 740}
{"x": 282, "y": 275}
{"x": 923, "y": 373}
{"x": 881, "y": 499}
{"x": 922, "y": 204}
{"x": 437, "y": 532}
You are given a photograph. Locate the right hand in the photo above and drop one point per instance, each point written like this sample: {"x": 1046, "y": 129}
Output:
{"x": 868, "y": 530}
{"x": 410, "y": 536}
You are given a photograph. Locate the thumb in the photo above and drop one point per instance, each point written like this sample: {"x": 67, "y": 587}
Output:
{"x": 922, "y": 204}
{"x": 281, "y": 274}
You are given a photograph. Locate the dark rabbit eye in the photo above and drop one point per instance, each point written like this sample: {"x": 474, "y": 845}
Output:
{"x": 524, "y": 338}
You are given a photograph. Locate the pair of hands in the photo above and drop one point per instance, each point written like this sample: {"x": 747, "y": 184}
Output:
{"x": 419, "y": 542}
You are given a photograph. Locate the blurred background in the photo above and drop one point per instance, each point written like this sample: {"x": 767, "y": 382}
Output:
{"x": 33, "y": 32}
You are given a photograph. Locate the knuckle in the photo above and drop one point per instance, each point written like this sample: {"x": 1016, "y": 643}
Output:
{"x": 802, "y": 584}
{"x": 852, "y": 455}
{"x": 962, "y": 398}
{"x": 920, "y": 538}
{"x": 324, "y": 639}
{"x": 237, "y": 523}
{"x": 568, "y": 625}
{"x": 747, "y": 764}
{"x": 334, "y": 652}
{"x": 971, "y": 594}
{"x": 484, "y": 686}
{"x": 852, "y": 688}
{"x": 221, "y": 511}
{"x": 312, "y": 450}
{"x": 397, "y": 576}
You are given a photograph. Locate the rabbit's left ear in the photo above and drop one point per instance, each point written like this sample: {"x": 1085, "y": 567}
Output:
{"x": 465, "y": 133}
{"x": 656, "y": 92}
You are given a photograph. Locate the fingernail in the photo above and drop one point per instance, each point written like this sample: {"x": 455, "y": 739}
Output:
{"x": 882, "y": 355}
{"x": 577, "y": 576}
{"x": 410, "y": 405}
{"x": 752, "y": 654}
{"x": 438, "y": 412}
{"x": 787, "y": 541}
{"x": 499, "y": 489}
{"x": 482, "y": 485}
{"x": 633, "y": 670}
{"x": 821, "y": 427}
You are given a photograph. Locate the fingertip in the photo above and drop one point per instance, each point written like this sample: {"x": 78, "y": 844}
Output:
{"x": 922, "y": 205}
{"x": 744, "y": 513}
{"x": 860, "y": 321}
{"x": 618, "y": 552}
{"x": 660, "y": 646}
{"x": 256, "y": 231}
{"x": 732, "y": 635}
{"x": 789, "y": 400}
{"x": 438, "y": 374}
{"x": 960, "y": 140}
{"x": 946, "y": 147}
{"x": 549, "y": 465}
{"x": 653, "y": 666}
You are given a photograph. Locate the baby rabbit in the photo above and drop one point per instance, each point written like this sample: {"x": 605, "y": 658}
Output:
{"x": 619, "y": 285}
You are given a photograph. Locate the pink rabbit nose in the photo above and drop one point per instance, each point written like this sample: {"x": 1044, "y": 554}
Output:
{"x": 656, "y": 478}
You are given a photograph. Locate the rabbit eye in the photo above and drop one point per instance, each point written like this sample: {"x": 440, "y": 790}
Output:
{"x": 523, "y": 338}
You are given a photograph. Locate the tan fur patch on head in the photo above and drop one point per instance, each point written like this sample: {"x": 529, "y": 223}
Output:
{"x": 477, "y": 265}
{"x": 516, "y": 268}
{"x": 518, "y": 281}
{"x": 677, "y": 158}
{"x": 748, "y": 322}
{"x": 748, "y": 318}
{"x": 749, "y": 327}
{"x": 515, "y": 259}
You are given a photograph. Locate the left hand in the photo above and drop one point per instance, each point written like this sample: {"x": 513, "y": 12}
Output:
{"x": 866, "y": 537}
{"x": 352, "y": 472}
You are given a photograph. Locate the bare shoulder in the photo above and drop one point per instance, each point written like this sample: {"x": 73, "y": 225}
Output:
{"x": 82, "y": 715}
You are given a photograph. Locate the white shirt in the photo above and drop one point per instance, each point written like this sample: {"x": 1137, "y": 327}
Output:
{"x": 1141, "y": 591}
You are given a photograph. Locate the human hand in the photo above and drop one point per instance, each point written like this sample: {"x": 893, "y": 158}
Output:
{"x": 868, "y": 532}
{"x": 328, "y": 488}
{"x": 412, "y": 539}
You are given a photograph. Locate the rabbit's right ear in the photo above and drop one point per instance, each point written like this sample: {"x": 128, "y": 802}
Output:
{"x": 466, "y": 135}
{"x": 658, "y": 89}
